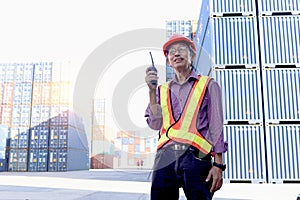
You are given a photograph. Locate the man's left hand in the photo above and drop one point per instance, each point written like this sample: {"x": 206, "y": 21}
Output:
{"x": 215, "y": 174}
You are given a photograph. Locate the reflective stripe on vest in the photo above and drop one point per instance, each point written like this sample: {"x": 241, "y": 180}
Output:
{"x": 184, "y": 130}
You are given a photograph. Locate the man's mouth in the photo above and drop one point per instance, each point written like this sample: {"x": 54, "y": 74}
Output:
{"x": 178, "y": 60}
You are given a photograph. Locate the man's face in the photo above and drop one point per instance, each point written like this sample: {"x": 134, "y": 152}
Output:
{"x": 179, "y": 56}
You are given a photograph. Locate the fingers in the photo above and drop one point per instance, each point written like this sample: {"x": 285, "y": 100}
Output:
{"x": 217, "y": 180}
{"x": 151, "y": 76}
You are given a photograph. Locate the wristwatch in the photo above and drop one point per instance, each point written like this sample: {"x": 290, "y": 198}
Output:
{"x": 221, "y": 166}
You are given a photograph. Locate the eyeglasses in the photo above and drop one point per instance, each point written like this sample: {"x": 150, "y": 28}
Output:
{"x": 181, "y": 49}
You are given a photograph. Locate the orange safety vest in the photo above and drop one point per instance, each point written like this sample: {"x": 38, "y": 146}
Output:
{"x": 184, "y": 130}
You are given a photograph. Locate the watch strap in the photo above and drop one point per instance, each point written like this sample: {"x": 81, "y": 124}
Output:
{"x": 221, "y": 166}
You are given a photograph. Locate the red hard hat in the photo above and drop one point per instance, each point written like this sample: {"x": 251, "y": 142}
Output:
{"x": 178, "y": 38}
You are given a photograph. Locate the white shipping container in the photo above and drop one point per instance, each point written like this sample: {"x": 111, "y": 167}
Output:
{"x": 241, "y": 94}
{"x": 236, "y": 7}
{"x": 269, "y": 7}
{"x": 281, "y": 93}
{"x": 229, "y": 42}
{"x": 280, "y": 40}
{"x": 283, "y": 152}
{"x": 246, "y": 153}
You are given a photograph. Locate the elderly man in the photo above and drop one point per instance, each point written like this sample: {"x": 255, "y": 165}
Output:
{"x": 188, "y": 112}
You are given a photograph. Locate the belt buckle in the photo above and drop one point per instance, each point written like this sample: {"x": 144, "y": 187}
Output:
{"x": 179, "y": 147}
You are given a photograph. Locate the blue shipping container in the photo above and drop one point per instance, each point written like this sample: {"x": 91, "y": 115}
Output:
{"x": 241, "y": 94}
{"x": 236, "y": 7}
{"x": 246, "y": 153}
{"x": 269, "y": 7}
{"x": 280, "y": 40}
{"x": 281, "y": 93}
{"x": 283, "y": 152}
{"x": 38, "y": 160}
{"x": 3, "y": 165}
{"x": 229, "y": 42}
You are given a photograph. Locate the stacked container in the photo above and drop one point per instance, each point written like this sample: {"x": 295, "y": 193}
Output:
{"x": 227, "y": 50}
{"x": 102, "y": 147}
{"x": 67, "y": 140}
{"x": 44, "y": 135}
{"x": 279, "y": 31}
{"x": 4, "y": 134}
{"x": 21, "y": 114}
{"x": 134, "y": 150}
{"x": 254, "y": 56}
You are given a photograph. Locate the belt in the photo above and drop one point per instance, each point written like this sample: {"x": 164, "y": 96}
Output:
{"x": 187, "y": 147}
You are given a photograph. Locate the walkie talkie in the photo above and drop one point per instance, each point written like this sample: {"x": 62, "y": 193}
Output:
{"x": 153, "y": 68}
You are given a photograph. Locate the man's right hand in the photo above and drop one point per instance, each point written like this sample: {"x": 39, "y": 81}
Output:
{"x": 151, "y": 76}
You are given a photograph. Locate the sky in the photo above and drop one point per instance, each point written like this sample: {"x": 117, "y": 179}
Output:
{"x": 70, "y": 30}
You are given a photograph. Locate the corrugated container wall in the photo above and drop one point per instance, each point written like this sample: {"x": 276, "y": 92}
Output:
{"x": 229, "y": 42}
{"x": 229, "y": 7}
{"x": 280, "y": 40}
{"x": 281, "y": 90}
{"x": 283, "y": 152}
{"x": 270, "y": 7}
{"x": 245, "y": 156}
{"x": 241, "y": 95}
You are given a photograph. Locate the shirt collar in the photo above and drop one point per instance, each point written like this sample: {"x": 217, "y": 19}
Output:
{"x": 193, "y": 76}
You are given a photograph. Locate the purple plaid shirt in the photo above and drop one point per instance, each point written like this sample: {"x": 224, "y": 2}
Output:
{"x": 210, "y": 117}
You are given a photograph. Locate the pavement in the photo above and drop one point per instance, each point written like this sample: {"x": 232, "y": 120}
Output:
{"x": 129, "y": 184}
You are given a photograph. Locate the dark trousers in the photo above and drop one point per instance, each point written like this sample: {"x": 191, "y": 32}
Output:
{"x": 175, "y": 169}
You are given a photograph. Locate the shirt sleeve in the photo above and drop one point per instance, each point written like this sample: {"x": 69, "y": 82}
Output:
{"x": 154, "y": 121}
{"x": 215, "y": 117}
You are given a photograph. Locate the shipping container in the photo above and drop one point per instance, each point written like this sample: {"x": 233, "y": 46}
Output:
{"x": 202, "y": 24}
{"x": 6, "y": 115}
{"x": 47, "y": 72}
{"x": 183, "y": 27}
{"x": 232, "y": 8}
{"x": 241, "y": 95}
{"x": 46, "y": 93}
{"x": 68, "y": 159}
{"x": 17, "y": 159}
{"x": 281, "y": 93}
{"x": 246, "y": 154}
{"x": 39, "y": 137}
{"x": 21, "y": 115}
{"x": 102, "y": 161}
{"x": 19, "y": 72}
{"x": 60, "y": 93}
{"x": 22, "y": 93}
{"x": 283, "y": 153}
{"x": 280, "y": 40}
{"x": 10, "y": 73}
{"x": 19, "y": 137}
{"x": 277, "y": 7}
{"x": 4, "y": 134}
{"x": 67, "y": 137}
{"x": 42, "y": 72}
{"x": 2, "y": 72}
{"x": 61, "y": 116}
{"x": 28, "y": 72}
{"x": 38, "y": 160}
{"x": 3, "y": 165}
{"x": 229, "y": 42}
{"x": 8, "y": 93}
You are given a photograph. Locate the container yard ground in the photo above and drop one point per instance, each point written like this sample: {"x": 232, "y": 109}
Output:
{"x": 130, "y": 184}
